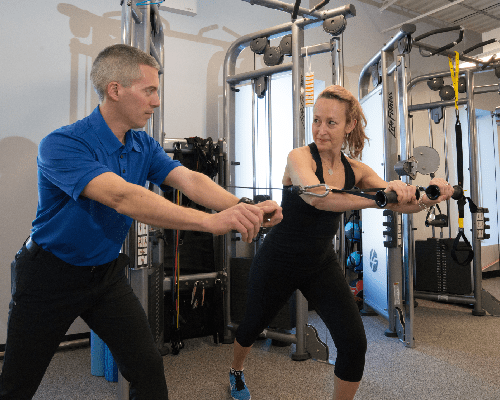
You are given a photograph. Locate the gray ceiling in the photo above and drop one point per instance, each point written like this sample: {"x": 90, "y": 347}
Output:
{"x": 477, "y": 15}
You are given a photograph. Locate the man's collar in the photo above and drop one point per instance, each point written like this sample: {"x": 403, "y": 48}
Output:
{"x": 106, "y": 136}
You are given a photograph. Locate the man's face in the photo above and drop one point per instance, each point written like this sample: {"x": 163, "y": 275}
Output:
{"x": 139, "y": 100}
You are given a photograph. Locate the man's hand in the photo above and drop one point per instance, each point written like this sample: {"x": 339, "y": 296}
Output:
{"x": 272, "y": 213}
{"x": 244, "y": 218}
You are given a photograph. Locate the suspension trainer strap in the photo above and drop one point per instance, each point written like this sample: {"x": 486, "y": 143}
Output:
{"x": 465, "y": 245}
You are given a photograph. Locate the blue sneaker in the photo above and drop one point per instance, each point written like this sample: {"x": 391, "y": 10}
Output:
{"x": 239, "y": 390}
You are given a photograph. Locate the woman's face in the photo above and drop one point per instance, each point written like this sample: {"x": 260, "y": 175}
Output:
{"x": 329, "y": 124}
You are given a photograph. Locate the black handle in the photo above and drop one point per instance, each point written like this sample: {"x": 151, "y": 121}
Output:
{"x": 433, "y": 192}
{"x": 382, "y": 198}
{"x": 436, "y": 31}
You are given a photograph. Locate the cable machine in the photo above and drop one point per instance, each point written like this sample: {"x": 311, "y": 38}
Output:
{"x": 142, "y": 28}
{"x": 389, "y": 255}
{"x": 333, "y": 21}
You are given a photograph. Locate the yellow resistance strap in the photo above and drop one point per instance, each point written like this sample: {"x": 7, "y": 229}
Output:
{"x": 454, "y": 69}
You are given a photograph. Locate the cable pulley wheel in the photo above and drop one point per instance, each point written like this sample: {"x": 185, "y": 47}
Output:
{"x": 447, "y": 93}
{"x": 435, "y": 83}
{"x": 335, "y": 26}
{"x": 273, "y": 56}
{"x": 286, "y": 45}
{"x": 259, "y": 45}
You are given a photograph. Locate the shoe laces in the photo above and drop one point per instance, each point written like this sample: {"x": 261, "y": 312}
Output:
{"x": 240, "y": 384}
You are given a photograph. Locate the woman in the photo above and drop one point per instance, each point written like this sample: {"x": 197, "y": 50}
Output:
{"x": 298, "y": 253}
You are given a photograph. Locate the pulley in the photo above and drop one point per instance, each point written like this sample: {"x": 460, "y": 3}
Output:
{"x": 259, "y": 45}
{"x": 424, "y": 160}
{"x": 335, "y": 26}
{"x": 435, "y": 83}
{"x": 462, "y": 85}
{"x": 447, "y": 93}
{"x": 286, "y": 45}
{"x": 273, "y": 56}
{"x": 404, "y": 45}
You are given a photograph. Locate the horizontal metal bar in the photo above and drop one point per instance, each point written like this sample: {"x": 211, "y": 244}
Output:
{"x": 430, "y": 106}
{"x": 270, "y": 334}
{"x": 449, "y": 53}
{"x": 347, "y": 10}
{"x": 486, "y": 89}
{"x": 238, "y": 78}
{"x": 448, "y": 298}
{"x": 316, "y": 49}
{"x": 207, "y": 278}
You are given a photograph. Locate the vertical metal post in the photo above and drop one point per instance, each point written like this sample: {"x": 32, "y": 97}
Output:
{"x": 270, "y": 133}
{"x": 338, "y": 79}
{"x": 255, "y": 129}
{"x": 299, "y": 141}
{"x": 446, "y": 168}
{"x": 337, "y": 61}
{"x": 298, "y": 86}
{"x": 127, "y": 24}
{"x": 139, "y": 247}
{"x": 474, "y": 192}
{"x": 408, "y": 242}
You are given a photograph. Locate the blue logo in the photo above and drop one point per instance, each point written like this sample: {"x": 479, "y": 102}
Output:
{"x": 373, "y": 260}
{"x": 148, "y": 2}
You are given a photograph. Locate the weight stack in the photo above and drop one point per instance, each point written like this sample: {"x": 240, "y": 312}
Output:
{"x": 240, "y": 268}
{"x": 437, "y": 272}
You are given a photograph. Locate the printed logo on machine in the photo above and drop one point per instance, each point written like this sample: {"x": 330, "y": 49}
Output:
{"x": 373, "y": 260}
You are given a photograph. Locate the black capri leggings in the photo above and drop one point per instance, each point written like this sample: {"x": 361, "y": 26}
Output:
{"x": 275, "y": 275}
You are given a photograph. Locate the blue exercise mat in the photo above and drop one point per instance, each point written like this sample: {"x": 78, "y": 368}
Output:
{"x": 102, "y": 362}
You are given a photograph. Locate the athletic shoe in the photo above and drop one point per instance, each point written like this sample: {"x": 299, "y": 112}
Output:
{"x": 239, "y": 390}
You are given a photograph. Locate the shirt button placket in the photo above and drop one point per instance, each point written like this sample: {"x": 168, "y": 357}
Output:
{"x": 122, "y": 164}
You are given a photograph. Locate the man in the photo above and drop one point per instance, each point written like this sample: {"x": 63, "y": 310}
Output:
{"x": 91, "y": 178}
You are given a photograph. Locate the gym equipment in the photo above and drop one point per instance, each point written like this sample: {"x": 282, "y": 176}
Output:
{"x": 389, "y": 265}
{"x": 195, "y": 280}
{"x": 435, "y": 83}
{"x": 259, "y": 45}
{"x": 292, "y": 35}
{"x": 446, "y": 93}
{"x": 354, "y": 261}
{"x": 273, "y": 56}
{"x": 101, "y": 359}
{"x": 141, "y": 28}
{"x": 286, "y": 45}
{"x": 352, "y": 231}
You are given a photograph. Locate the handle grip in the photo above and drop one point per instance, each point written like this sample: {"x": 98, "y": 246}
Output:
{"x": 442, "y": 30}
{"x": 382, "y": 198}
{"x": 433, "y": 192}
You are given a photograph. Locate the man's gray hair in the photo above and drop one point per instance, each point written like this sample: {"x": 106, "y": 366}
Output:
{"x": 119, "y": 63}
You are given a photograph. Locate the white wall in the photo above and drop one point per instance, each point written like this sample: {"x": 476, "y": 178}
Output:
{"x": 45, "y": 58}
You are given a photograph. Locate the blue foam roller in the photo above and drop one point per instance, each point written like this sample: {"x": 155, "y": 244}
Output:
{"x": 110, "y": 367}
{"x": 96, "y": 355}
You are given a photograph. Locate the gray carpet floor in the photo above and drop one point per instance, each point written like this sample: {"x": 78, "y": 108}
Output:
{"x": 456, "y": 357}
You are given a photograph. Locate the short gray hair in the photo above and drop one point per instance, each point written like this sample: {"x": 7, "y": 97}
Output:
{"x": 119, "y": 63}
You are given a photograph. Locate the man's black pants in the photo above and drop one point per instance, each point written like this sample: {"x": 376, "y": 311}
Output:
{"x": 48, "y": 294}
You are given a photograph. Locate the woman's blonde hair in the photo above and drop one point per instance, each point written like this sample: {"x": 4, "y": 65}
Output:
{"x": 354, "y": 142}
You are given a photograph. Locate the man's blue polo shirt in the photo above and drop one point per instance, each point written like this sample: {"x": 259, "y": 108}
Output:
{"x": 74, "y": 228}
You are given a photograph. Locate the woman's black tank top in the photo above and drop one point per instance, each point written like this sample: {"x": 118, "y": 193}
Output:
{"x": 300, "y": 218}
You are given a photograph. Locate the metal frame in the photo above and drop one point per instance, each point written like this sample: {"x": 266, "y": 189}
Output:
{"x": 145, "y": 273}
{"x": 400, "y": 320}
{"x": 231, "y": 79}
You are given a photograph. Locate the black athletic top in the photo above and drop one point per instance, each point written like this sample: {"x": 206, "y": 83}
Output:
{"x": 300, "y": 218}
